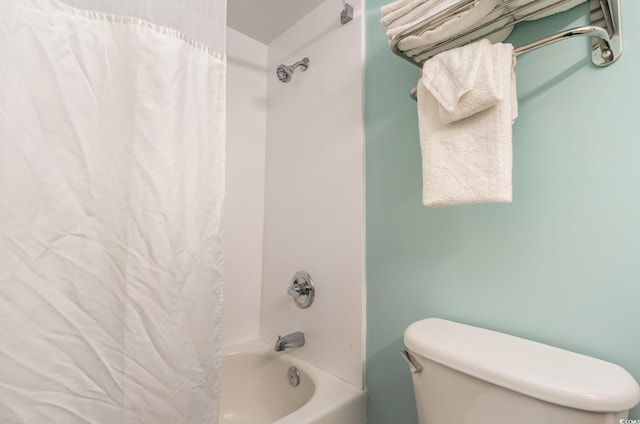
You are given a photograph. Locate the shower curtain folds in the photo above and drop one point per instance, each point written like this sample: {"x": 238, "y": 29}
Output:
{"x": 112, "y": 136}
{"x": 203, "y": 20}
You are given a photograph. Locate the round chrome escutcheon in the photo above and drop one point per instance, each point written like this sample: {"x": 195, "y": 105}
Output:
{"x": 294, "y": 376}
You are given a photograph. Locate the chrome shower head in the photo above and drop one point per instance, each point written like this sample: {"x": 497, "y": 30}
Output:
{"x": 284, "y": 72}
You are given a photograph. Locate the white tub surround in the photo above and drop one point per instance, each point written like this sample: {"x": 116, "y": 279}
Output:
{"x": 314, "y": 193}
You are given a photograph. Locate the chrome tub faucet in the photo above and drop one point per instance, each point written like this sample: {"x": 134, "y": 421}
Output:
{"x": 290, "y": 340}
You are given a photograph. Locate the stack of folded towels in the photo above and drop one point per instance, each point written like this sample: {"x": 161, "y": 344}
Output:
{"x": 528, "y": 7}
{"x": 403, "y": 15}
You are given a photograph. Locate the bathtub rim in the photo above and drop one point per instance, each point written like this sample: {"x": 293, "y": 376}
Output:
{"x": 331, "y": 392}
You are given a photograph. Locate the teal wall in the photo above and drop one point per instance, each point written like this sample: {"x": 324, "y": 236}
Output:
{"x": 561, "y": 264}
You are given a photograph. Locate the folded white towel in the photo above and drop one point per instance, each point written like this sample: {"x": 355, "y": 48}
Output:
{"x": 464, "y": 83}
{"x": 414, "y": 11}
{"x": 564, "y": 6}
{"x": 468, "y": 160}
{"x": 392, "y": 7}
{"x": 387, "y": 15}
{"x": 455, "y": 24}
{"x": 491, "y": 32}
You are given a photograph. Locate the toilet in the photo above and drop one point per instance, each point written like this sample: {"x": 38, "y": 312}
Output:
{"x": 468, "y": 375}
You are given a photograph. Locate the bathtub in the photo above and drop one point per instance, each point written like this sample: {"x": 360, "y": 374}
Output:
{"x": 256, "y": 390}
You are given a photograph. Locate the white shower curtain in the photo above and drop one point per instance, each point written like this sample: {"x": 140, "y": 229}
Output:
{"x": 111, "y": 196}
{"x": 203, "y": 20}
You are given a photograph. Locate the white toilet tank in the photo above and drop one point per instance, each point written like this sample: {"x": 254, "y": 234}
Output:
{"x": 475, "y": 376}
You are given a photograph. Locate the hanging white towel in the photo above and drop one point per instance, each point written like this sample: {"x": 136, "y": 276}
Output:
{"x": 467, "y": 160}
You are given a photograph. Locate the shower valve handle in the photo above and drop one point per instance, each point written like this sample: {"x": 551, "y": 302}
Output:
{"x": 302, "y": 289}
{"x": 296, "y": 290}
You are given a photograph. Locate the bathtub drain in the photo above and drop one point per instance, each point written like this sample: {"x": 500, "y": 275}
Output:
{"x": 294, "y": 376}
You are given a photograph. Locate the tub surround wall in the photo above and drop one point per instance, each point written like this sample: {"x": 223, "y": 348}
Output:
{"x": 244, "y": 209}
{"x": 560, "y": 264}
{"x": 314, "y": 190}
{"x": 309, "y": 136}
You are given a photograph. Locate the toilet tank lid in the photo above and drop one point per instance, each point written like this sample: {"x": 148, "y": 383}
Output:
{"x": 534, "y": 369}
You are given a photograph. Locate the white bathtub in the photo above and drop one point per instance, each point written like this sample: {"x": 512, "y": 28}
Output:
{"x": 256, "y": 390}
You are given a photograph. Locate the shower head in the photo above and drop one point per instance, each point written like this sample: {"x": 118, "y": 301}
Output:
{"x": 284, "y": 72}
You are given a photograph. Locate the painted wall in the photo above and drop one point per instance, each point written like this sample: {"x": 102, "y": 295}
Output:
{"x": 244, "y": 208}
{"x": 560, "y": 265}
{"x": 314, "y": 210}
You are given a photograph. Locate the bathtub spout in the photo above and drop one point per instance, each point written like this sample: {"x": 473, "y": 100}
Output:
{"x": 290, "y": 340}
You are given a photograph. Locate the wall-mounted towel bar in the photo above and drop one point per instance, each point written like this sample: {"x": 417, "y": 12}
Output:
{"x": 604, "y": 28}
{"x": 593, "y": 31}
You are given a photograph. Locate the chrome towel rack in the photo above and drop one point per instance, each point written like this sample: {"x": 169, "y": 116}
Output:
{"x": 604, "y": 29}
